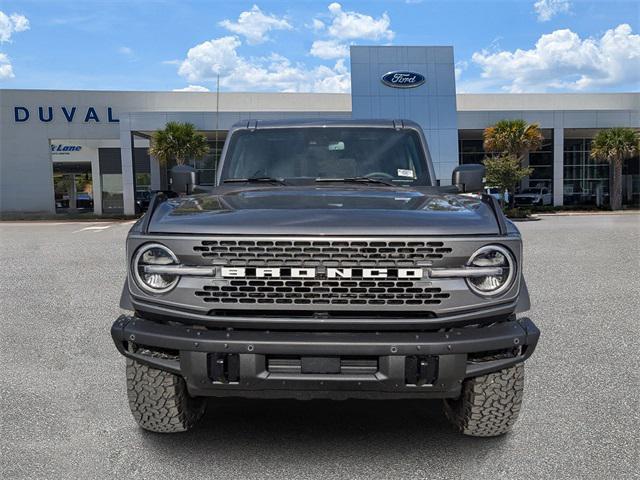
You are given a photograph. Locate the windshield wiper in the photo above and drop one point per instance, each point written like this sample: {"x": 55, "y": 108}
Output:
{"x": 358, "y": 180}
{"x": 254, "y": 180}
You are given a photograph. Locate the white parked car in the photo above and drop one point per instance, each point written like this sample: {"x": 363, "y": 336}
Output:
{"x": 534, "y": 196}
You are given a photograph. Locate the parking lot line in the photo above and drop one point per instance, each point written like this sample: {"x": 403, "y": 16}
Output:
{"x": 93, "y": 228}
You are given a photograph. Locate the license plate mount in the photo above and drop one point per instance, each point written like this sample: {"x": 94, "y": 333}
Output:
{"x": 320, "y": 365}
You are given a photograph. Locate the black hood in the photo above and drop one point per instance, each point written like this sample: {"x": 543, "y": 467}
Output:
{"x": 325, "y": 210}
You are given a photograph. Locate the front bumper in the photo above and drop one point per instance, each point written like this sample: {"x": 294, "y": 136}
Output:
{"x": 450, "y": 357}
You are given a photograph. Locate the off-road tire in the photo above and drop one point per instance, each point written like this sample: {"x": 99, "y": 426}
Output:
{"x": 159, "y": 400}
{"x": 488, "y": 405}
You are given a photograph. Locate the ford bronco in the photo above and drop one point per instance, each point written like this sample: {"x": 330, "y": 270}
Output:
{"x": 327, "y": 262}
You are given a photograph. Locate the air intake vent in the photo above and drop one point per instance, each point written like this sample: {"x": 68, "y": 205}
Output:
{"x": 285, "y": 291}
{"x": 329, "y": 253}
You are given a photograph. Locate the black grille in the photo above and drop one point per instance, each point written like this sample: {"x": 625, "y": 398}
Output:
{"x": 330, "y": 253}
{"x": 287, "y": 291}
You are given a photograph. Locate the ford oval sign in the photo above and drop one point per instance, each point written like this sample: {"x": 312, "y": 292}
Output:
{"x": 403, "y": 79}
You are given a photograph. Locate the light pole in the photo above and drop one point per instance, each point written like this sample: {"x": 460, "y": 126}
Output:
{"x": 217, "y": 117}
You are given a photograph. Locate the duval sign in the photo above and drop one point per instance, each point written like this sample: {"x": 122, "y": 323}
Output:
{"x": 70, "y": 114}
{"x": 402, "y": 79}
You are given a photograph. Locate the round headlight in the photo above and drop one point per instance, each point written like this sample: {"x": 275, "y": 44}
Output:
{"x": 492, "y": 256}
{"x": 154, "y": 254}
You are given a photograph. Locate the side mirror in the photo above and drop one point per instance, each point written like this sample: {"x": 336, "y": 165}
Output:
{"x": 183, "y": 179}
{"x": 469, "y": 178}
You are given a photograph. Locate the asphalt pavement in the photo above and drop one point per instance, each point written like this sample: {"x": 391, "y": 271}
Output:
{"x": 64, "y": 412}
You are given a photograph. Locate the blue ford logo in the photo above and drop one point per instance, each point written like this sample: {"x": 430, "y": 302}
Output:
{"x": 403, "y": 79}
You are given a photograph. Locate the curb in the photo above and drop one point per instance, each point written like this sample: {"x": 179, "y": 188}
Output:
{"x": 577, "y": 214}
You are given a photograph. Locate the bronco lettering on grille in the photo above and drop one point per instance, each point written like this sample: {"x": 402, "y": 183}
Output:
{"x": 242, "y": 272}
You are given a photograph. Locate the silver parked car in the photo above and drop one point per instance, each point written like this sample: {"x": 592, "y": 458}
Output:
{"x": 538, "y": 196}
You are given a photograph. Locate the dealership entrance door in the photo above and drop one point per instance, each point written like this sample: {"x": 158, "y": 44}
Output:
{"x": 73, "y": 187}
{"x": 85, "y": 178}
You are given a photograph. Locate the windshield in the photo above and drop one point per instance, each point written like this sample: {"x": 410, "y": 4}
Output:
{"x": 327, "y": 153}
{"x": 535, "y": 191}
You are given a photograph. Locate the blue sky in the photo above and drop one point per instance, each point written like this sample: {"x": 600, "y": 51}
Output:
{"x": 500, "y": 46}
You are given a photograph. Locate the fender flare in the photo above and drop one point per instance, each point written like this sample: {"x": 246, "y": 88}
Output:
{"x": 125, "y": 297}
{"x": 524, "y": 302}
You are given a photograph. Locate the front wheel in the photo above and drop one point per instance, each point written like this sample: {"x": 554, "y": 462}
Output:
{"x": 488, "y": 405}
{"x": 159, "y": 400}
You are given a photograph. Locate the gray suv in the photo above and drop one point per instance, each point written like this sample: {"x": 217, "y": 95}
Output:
{"x": 327, "y": 263}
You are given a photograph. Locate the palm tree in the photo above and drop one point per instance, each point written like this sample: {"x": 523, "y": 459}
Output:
{"x": 511, "y": 141}
{"x": 179, "y": 142}
{"x": 515, "y": 138}
{"x": 615, "y": 145}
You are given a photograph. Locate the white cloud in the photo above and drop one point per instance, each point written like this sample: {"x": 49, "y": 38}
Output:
{"x": 336, "y": 79}
{"x": 547, "y": 9}
{"x": 329, "y": 49}
{"x": 6, "y": 70}
{"x": 208, "y": 59}
{"x": 126, "y": 51}
{"x": 220, "y": 56}
{"x": 561, "y": 60}
{"x": 10, "y": 24}
{"x": 192, "y": 88}
{"x": 275, "y": 72}
{"x": 255, "y": 24}
{"x": 347, "y": 25}
{"x": 20, "y": 22}
{"x": 317, "y": 25}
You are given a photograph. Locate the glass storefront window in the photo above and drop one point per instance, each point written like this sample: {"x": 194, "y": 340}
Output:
{"x": 142, "y": 169}
{"x": 143, "y": 181}
{"x": 111, "y": 176}
{"x": 72, "y": 172}
{"x": 541, "y": 161}
{"x": 112, "y": 200}
{"x": 471, "y": 149}
{"x": 586, "y": 181}
{"x": 207, "y": 166}
{"x": 73, "y": 187}
{"x": 541, "y": 174}
{"x": 631, "y": 182}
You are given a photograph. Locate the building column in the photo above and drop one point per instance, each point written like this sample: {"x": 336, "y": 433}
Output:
{"x": 96, "y": 182}
{"x": 126, "y": 157}
{"x": 558, "y": 166}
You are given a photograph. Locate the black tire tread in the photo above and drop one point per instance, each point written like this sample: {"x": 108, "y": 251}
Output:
{"x": 489, "y": 405}
{"x": 159, "y": 400}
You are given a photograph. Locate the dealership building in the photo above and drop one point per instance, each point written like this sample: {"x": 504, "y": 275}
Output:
{"x": 63, "y": 151}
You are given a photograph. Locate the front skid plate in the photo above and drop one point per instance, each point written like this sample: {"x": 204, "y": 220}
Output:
{"x": 391, "y": 348}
